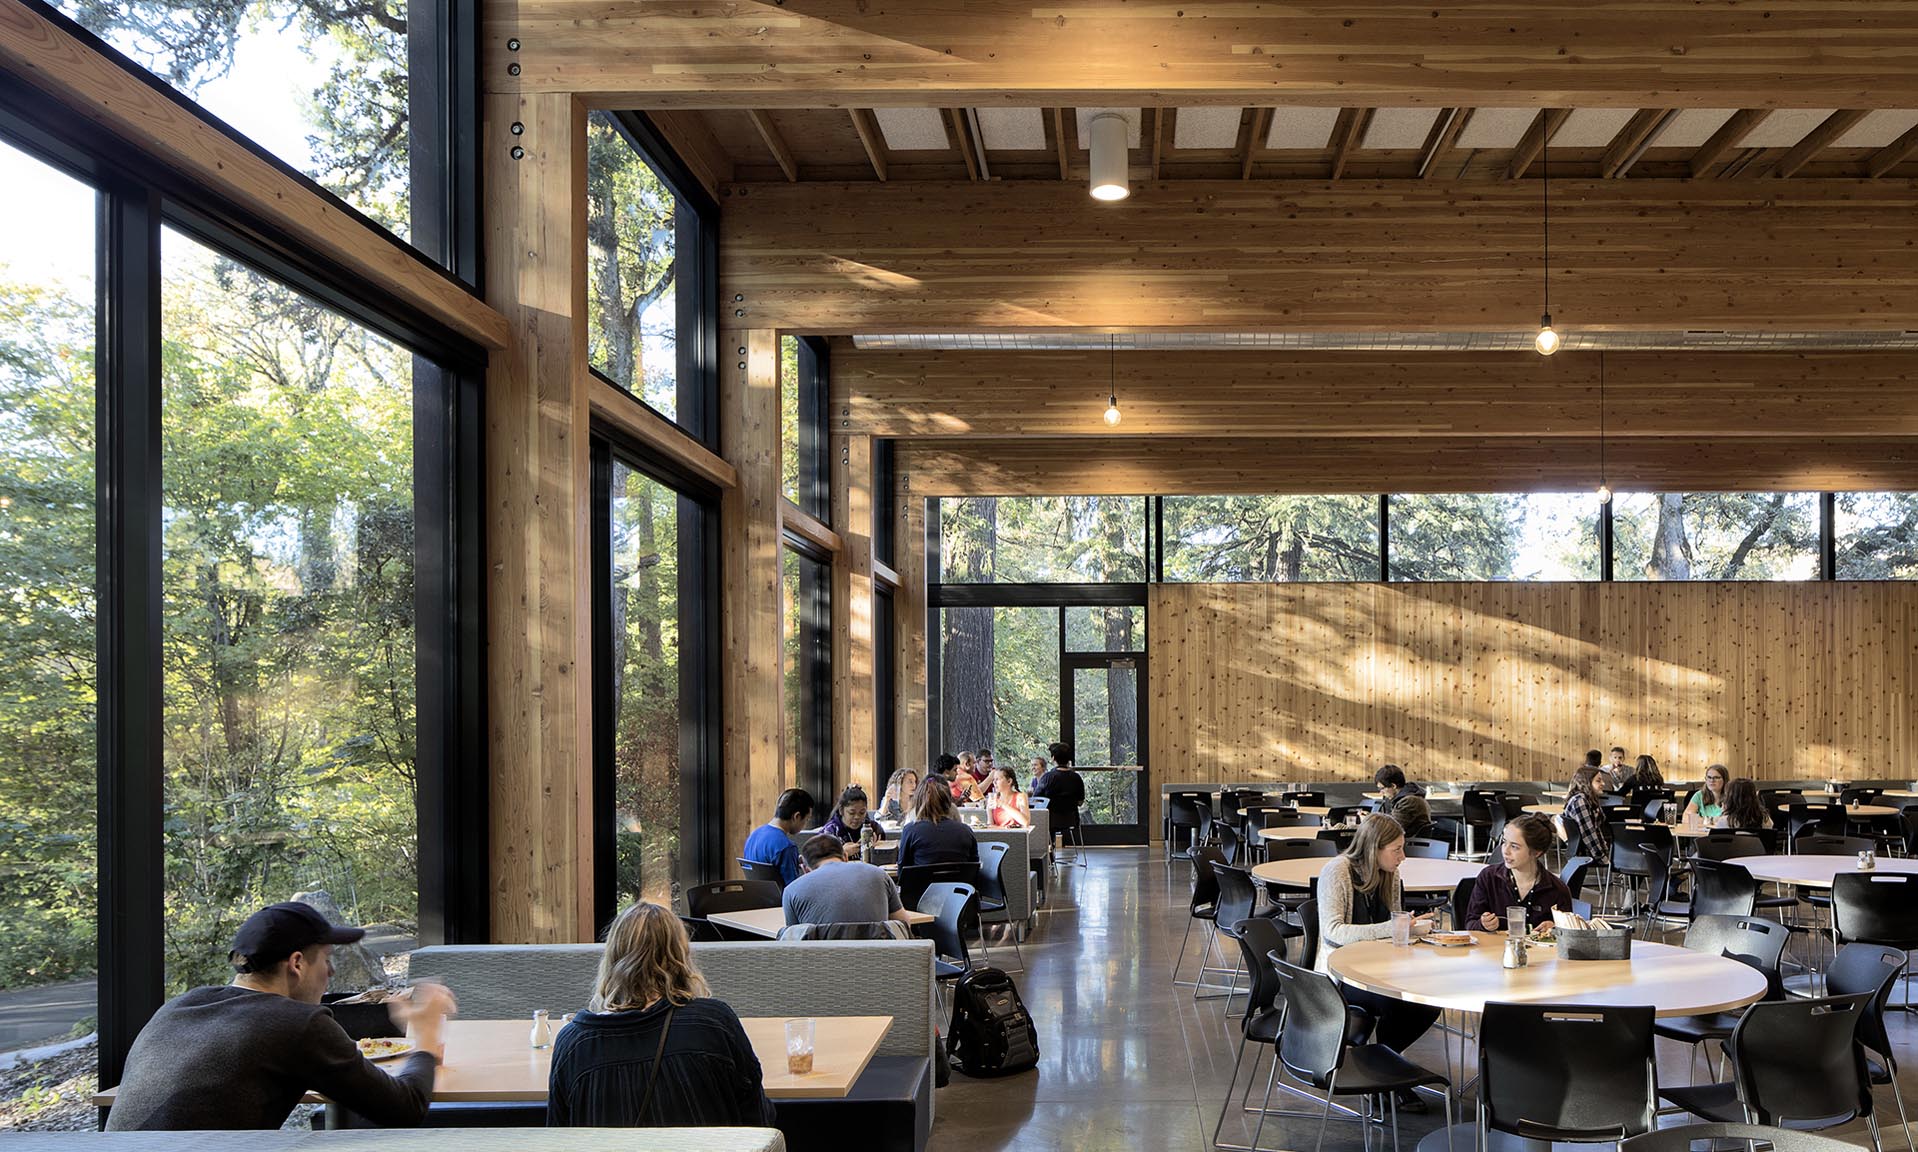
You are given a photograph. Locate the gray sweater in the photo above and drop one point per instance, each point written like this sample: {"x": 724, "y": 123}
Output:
{"x": 229, "y": 1057}
{"x": 1336, "y": 926}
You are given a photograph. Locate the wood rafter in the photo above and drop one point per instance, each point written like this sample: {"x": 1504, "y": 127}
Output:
{"x": 1729, "y": 134}
{"x": 1817, "y": 140}
{"x": 1445, "y": 129}
{"x": 1892, "y": 154}
{"x": 1158, "y": 135}
{"x": 870, "y": 138}
{"x": 1630, "y": 144}
{"x": 962, "y": 140}
{"x": 775, "y": 143}
{"x": 1059, "y": 142}
{"x": 1255, "y": 140}
{"x": 1544, "y": 127}
{"x": 1351, "y": 126}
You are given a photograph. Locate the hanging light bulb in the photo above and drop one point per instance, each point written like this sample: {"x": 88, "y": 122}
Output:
{"x": 1107, "y": 142}
{"x": 1112, "y": 411}
{"x": 1547, "y": 341}
{"x": 1112, "y": 382}
{"x": 1604, "y": 494}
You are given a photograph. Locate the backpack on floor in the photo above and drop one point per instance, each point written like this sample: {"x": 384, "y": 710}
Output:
{"x": 992, "y": 1034}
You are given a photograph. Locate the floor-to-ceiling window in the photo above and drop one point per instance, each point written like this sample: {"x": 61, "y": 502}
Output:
{"x": 806, "y": 669}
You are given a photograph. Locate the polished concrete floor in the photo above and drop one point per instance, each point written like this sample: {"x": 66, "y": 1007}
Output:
{"x": 1128, "y": 1061}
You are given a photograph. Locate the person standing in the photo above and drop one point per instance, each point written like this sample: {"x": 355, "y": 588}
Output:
{"x": 1064, "y": 791}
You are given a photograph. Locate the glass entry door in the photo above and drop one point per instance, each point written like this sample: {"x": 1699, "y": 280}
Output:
{"x": 1102, "y": 714}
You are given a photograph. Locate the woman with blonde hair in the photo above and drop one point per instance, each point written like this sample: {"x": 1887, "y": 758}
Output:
{"x": 1359, "y": 891}
{"x": 653, "y": 1048}
{"x": 898, "y": 796}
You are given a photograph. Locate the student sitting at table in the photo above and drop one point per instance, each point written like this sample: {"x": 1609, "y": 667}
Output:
{"x": 241, "y": 1055}
{"x": 898, "y": 796}
{"x": 936, "y": 834}
{"x": 1520, "y": 877}
{"x": 835, "y": 890}
{"x": 1643, "y": 780}
{"x": 1709, "y": 801}
{"x": 1005, "y": 804}
{"x": 1393, "y": 784}
{"x": 772, "y": 842}
{"x": 653, "y": 1048}
{"x": 1742, "y": 807}
{"x": 849, "y": 817}
{"x": 965, "y": 780}
{"x": 1584, "y": 816}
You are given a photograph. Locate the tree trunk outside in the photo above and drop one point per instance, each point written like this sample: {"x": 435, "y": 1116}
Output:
{"x": 1671, "y": 552}
{"x": 966, "y": 674}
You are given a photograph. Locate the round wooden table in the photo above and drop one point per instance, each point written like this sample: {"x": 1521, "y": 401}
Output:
{"x": 1417, "y": 874}
{"x": 1814, "y": 871}
{"x": 1545, "y": 809}
{"x": 1289, "y": 833}
{"x": 1675, "y": 981}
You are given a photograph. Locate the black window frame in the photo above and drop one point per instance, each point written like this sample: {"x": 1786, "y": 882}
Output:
{"x": 813, "y": 759}
{"x": 137, "y": 198}
{"x": 815, "y": 466}
{"x": 696, "y": 296}
{"x": 885, "y": 503}
{"x": 701, "y": 717}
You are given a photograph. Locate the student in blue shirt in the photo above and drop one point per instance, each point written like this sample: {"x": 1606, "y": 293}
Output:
{"x": 771, "y": 842}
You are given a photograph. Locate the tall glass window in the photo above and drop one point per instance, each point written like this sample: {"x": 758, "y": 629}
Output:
{"x": 805, "y": 476}
{"x": 1230, "y": 539}
{"x": 1877, "y": 535}
{"x": 807, "y": 670}
{"x": 48, "y": 604}
{"x": 288, "y": 577}
{"x": 999, "y": 681}
{"x": 1042, "y": 539}
{"x": 1715, "y": 536}
{"x": 1495, "y": 536}
{"x": 633, "y": 269}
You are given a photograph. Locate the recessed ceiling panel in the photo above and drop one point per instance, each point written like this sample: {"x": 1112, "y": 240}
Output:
{"x": 912, "y": 129}
{"x": 1785, "y": 127}
{"x": 1495, "y": 127}
{"x": 1879, "y": 128}
{"x": 1013, "y": 129}
{"x": 1692, "y": 127}
{"x": 1398, "y": 128}
{"x": 1592, "y": 127}
{"x": 1207, "y": 128}
{"x": 1131, "y": 125}
{"x": 1301, "y": 127}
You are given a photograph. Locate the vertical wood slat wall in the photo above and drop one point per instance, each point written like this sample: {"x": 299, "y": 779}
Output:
{"x": 1515, "y": 681}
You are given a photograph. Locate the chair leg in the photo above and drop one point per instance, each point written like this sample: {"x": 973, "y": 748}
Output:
{"x": 1871, "y": 1121}
{"x": 1265, "y": 1103}
{"x": 1326, "y": 1116}
{"x": 1392, "y": 1104}
{"x": 1226, "y": 1105}
{"x": 1184, "y": 940}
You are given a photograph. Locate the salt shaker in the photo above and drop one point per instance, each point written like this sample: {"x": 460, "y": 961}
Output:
{"x": 542, "y": 1029}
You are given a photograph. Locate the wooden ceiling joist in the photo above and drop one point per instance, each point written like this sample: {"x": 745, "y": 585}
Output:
{"x": 1158, "y": 136}
{"x": 1722, "y": 141}
{"x": 1817, "y": 140}
{"x": 871, "y": 139}
{"x": 1540, "y": 134}
{"x": 1631, "y": 143}
{"x": 1255, "y": 140}
{"x": 1059, "y": 143}
{"x": 775, "y": 143}
{"x": 1444, "y": 130}
{"x": 962, "y": 140}
{"x": 1350, "y": 127}
{"x": 1892, "y": 154}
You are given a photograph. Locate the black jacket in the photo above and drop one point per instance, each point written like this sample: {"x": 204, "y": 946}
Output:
{"x": 709, "y": 1076}
{"x": 1065, "y": 791}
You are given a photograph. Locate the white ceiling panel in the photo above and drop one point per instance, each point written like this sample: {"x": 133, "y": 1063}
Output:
{"x": 1692, "y": 127}
{"x": 1013, "y": 129}
{"x": 1131, "y": 125}
{"x": 1879, "y": 128}
{"x": 1784, "y": 127}
{"x": 1301, "y": 127}
{"x": 1495, "y": 127}
{"x": 1398, "y": 128}
{"x": 1592, "y": 127}
{"x": 1207, "y": 128}
{"x": 912, "y": 129}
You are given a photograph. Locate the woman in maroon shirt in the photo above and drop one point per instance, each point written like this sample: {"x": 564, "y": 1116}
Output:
{"x": 1521, "y": 878}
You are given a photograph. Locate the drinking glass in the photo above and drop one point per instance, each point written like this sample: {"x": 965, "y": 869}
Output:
{"x": 1402, "y": 928}
{"x": 799, "y": 1046}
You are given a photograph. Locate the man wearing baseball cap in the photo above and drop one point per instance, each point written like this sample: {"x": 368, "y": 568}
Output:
{"x": 241, "y": 1055}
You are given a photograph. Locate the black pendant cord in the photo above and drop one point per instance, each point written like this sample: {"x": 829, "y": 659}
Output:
{"x": 1112, "y": 369}
{"x": 1601, "y": 419}
{"x": 1545, "y": 168}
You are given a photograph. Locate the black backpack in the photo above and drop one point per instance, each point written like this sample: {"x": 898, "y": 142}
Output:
{"x": 992, "y": 1034}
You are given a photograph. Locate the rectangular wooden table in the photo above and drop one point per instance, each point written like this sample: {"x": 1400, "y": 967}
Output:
{"x": 492, "y": 1060}
{"x": 768, "y": 921}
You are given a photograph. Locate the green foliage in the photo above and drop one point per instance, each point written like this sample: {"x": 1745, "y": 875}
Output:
{"x": 1227, "y": 539}
{"x": 630, "y": 265}
{"x": 1877, "y": 535}
{"x": 646, "y": 685}
{"x": 789, "y": 417}
{"x": 1715, "y": 536}
{"x": 1043, "y": 539}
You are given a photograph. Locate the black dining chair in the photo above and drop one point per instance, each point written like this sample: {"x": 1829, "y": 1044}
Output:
{"x": 1871, "y": 970}
{"x": 1876, "y": 908}
{"x": 1259, "y": 938}
{"x": 1683, "y": 1137}
{"x": 1722, "y": 889}
{"x": 1238, "y": 900}
{"x": 702, "y": 900}
{"x": 1573, "y": 874}
{"x": 760, "y": 870}
{"x": 914, "y": 879}
{"x": 1559, "y": 1072}
{"x": 992, "y": 896}
{"x": 1751, "y": 940}
{"x": 1201, "y": 909}
{"x": 1227, "y": 838}
{"x": 1190, "y": 812}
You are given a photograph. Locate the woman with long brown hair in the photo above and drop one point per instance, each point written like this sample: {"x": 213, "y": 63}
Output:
{"x": 935, "y": 834}
{"x": 1743, "y": 809}
{"x": 1358, "y": 893}
{"x": 653, "y": 1049}
{"x": 1585, "y": 815}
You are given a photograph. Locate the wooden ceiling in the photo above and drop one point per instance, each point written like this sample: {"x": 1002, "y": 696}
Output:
{"x": 1296, "y": 142}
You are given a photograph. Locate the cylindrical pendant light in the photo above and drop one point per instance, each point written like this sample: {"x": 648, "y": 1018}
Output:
{"x": 1107, "y": 140}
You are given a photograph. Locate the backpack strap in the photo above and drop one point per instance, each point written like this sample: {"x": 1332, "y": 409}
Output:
{"x": 652, "y": 1077}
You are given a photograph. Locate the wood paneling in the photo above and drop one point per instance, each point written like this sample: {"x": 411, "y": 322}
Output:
{"x": 1268, "y": 393}
{"x": 1516, "y": 681}
{"x": 538, "y": 539}
{"x": 750, "y": 621}
{"x": 1069, "y": 466}
{"x": 854, "y": 691}
{"x": 842, "y": 53}
{"x": 1297, "y": 256}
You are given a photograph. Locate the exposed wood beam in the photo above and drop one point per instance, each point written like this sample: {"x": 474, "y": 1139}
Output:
{"x": 1630, "y": 144}
{"x": 807, "y": 527}
{"x": 847, "y": 53}
{"x": 1059, "y": 142}
{"x": 883, "y": 573}
{"x": 1816, "y": 141}
{"x": 619, "y": 410}
{"x": 1892, "y": 154}
{"x": 694, "y": 144}
{"x": 1535, "y": 140}
{"x": 173, "y": 133}
{"x": 1351, "y": 125}
{"x": 1158, "y": 136}
{"x": 1255, "y": 140}
{"x": 816, "y": 258}
{"x": 1444, "y": 130}
{"x": 870, "y": 138}
{"x": 1722, "y": 141}
{"x": 962, "y": 139}
{"x": 775, "y": 143}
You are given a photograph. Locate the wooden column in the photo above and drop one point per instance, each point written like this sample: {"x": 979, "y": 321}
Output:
{"x": 909, "y": 631}
{"x": 538, "y": 531}
{"x": 749, "y": 516}
{"x": 854, "y": 695}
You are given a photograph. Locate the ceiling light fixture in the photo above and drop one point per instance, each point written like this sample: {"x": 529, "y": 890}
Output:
{"x": 1604, "y": 492}
{"x": 1547, "y": 341}
{"x": 1107, "y": 139}
{"x": 1112, "y": 379}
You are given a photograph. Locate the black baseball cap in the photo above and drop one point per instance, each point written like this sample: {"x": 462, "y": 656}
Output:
{"x": 279, "y": 930}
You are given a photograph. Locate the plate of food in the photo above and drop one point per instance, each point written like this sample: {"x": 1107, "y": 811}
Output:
{"x": 384, "y": 1047}
{"x": 1450, "y": 939}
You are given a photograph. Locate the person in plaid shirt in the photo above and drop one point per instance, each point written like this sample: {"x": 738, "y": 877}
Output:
{"x": 1585, "y": 817}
